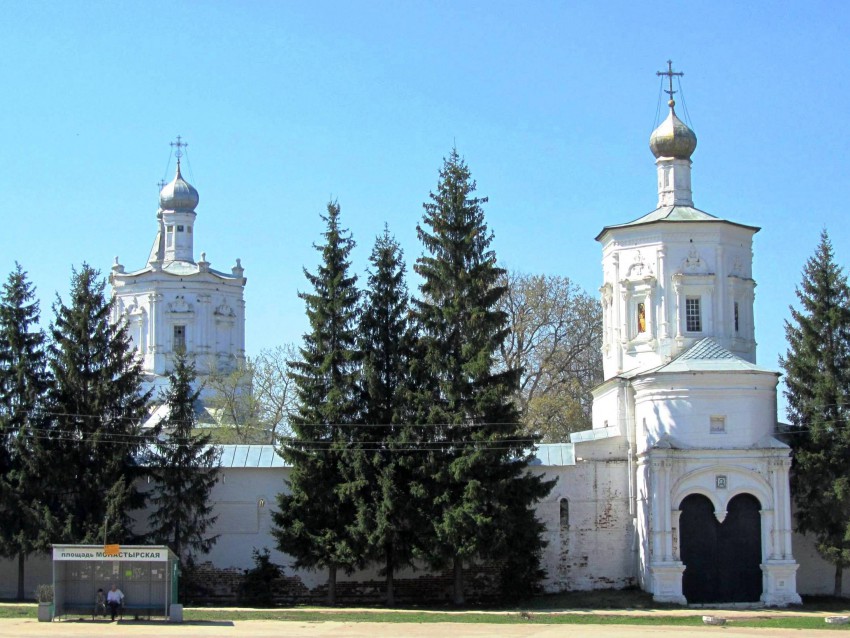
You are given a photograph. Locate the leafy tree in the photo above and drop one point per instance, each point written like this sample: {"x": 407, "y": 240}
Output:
{"x": 254, "y": 402}
{"x": 481, "y": 492}
{"x": 97, "y": 406}
{"x": 184, "y": 466}
{"x": 817, "y": 378}
{"x": 556, "y": 339}
{"x": 315, "y": 521}
{"x": 25, "y": 522}
{"x": 384, "y": 467}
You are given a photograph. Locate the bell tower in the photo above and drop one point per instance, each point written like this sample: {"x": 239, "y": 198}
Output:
{"x": 678, "y": 274}
{"x": 174, "y": 303}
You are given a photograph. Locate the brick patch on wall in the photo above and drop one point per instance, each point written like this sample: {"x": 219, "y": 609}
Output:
{"x": 220, "y": 586}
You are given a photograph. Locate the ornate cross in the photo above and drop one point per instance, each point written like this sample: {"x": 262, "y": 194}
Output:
{"x": 669, "y": 73}
{"x": 179, "y": 144}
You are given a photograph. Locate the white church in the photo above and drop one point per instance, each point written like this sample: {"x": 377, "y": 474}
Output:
{"x": 707, "y": 481}
{"x": 679, "y": 488}
{"x": 175, "y": 303}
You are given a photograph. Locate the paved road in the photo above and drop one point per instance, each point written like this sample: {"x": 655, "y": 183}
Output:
{"x": 300, "y": 629}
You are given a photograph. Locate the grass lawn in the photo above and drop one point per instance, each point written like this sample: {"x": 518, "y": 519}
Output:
{"x": 552, "y": 609}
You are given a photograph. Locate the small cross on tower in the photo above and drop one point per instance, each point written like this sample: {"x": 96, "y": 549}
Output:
{"x": 669, "y": 73}
{"x": 180, "y": 145}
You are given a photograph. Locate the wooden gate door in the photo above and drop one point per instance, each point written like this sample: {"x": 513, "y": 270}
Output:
{"x": 722, "y": 562}
{"x": 698, "y": 540}
{"x": 739, "y": 542}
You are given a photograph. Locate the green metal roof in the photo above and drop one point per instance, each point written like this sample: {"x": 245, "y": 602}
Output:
{"x": 265, "y": 456}
{"x": 676, "y": 214}
{"x": 706, "y": 355}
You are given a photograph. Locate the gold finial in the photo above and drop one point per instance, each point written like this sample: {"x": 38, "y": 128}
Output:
{"x": 669, "y": 73}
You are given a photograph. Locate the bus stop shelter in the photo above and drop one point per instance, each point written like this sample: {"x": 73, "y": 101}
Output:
{"x": 146, "y": 574}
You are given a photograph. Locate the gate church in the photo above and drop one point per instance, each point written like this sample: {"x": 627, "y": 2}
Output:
{"x": 708, "y": 482}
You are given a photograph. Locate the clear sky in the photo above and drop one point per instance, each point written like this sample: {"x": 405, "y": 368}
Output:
{"x": 286, "y": 105}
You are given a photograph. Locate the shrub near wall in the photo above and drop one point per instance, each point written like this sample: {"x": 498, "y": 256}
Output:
{"x": 217, "y": 586}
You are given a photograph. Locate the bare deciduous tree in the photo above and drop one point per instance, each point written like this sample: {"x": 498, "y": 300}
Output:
{"x": 252, "y": 403}
{"x": 556, "y": 339}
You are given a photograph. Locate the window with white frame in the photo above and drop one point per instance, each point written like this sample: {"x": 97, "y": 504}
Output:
{"x": 718, "y": 424}
{"x": 179, "y": 338}
{"x": 693, "y": 314}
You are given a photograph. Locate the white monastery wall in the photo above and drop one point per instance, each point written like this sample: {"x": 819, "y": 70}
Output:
{"x": 38, "y": 570}
{"x": 815, "y": 577}
{"x": 588, "y": 528}
{"x": 595, "y": 548}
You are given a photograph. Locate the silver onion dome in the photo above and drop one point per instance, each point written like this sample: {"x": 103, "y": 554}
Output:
{"x": 178, "y": 194}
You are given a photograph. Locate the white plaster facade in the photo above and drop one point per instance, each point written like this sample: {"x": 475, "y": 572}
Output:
{"x": 174, "y": 301}
{"x": 682, "y": 388}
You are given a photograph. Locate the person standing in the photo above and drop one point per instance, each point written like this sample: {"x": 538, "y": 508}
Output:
{"x": 114, "y": 598}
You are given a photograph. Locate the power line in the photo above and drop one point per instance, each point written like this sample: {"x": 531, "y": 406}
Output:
{"x": 109, "y": 417}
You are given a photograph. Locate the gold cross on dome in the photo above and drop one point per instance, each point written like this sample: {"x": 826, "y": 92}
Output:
{"x": 669, "y": 73}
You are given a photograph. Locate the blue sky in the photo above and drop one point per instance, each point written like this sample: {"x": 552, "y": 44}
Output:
{"x": 286, "y": 105}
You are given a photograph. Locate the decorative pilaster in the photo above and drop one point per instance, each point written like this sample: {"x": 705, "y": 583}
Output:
{"x": 723, "y": 320}
{"x": 677, "y": 289}
{"x": 663, "y": 328}
{"x": 618, "y": 321}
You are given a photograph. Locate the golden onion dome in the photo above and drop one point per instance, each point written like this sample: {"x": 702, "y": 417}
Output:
{"x": 178, "y": 194}
{"x": 673, "y": 138}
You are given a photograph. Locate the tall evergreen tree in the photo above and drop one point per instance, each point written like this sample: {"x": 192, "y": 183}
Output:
{"x": 97, "y": 407}
{"x": 482, "y": 494}
{"x": 315, "y": 522}
{"x": 25, "y": 520}
{"x": 184, "y": 466}
{"x": 384, "y": 467}
{"x": 817, "y": 378}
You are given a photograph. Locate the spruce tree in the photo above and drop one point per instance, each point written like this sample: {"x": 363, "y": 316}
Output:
{"x": 817, "y": 378}
{"x": 97, "y": 407}
{"x": 25, "y": 520}
{"x": 482, "y": 495}
{"x": 315, "y": 522}
{"x": 184, "y": 467}
{"x": 384, "y": 467}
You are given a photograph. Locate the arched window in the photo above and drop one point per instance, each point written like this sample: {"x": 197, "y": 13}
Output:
{"x": 565, "y": 514}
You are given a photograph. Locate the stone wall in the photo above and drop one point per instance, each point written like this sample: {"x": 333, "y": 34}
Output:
{"x": 589, "y": 527}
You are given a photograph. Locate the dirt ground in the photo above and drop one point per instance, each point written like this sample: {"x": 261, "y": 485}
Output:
{"x": 13, "y": 628}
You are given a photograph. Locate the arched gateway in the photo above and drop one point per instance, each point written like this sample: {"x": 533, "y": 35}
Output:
{"x": 722, "y": 560}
